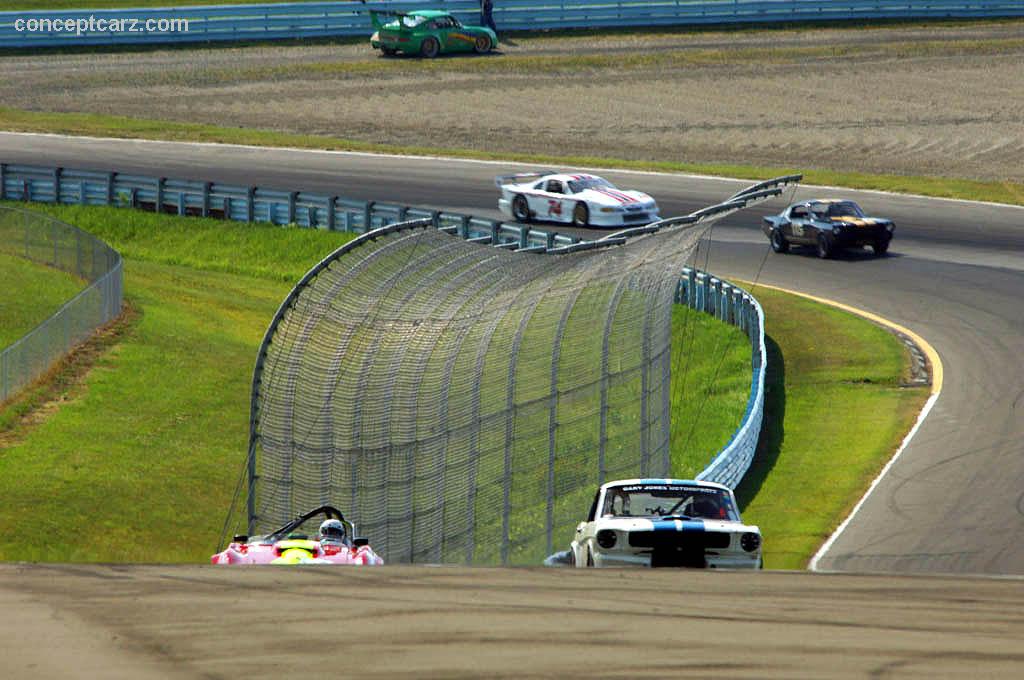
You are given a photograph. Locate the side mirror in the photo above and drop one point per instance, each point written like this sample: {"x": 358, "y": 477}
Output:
{"x": 360, "y": 541}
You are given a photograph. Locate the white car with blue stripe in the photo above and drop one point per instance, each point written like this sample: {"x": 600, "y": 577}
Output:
{"x": 665, "y": 523}
{"x": 579, "y": 199}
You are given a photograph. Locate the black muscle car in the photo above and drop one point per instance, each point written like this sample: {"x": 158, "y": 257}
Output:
{"x": 827, "y": 225}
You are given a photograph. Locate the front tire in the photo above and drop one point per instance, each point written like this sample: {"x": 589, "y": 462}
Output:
{"x": 880, "y": 246}
{"x": 430, "y": 48}
{"x": 520, "y": 209}
{"x": 482, "y": 44}
{"x": 388, "y": 51}
{"x": 824, "y": 247}
{"x": 779, "y": 242}
{"x": 581, "y": 215}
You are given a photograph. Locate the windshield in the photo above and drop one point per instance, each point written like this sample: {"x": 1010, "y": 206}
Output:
{"x": 408, "y": 21}
{"x": 843, "y": 209}
{"x": 666, "y": 500}
{"x": 578, "y": 185}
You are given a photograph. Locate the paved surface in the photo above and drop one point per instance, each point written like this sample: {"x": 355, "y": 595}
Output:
{"x": 953, "y": 502}
{"x": 92, "y": 621}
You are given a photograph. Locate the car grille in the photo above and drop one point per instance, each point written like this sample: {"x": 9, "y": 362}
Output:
{"x": 679, "y": 539}
{"x": 634, "y": 217}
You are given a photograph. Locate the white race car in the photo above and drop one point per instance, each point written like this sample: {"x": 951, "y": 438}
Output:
{"x": 665, "y": 523}
{"x": 582, "y": 200}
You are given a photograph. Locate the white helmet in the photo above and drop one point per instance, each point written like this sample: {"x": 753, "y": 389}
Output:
{"x": 332, "y": 530}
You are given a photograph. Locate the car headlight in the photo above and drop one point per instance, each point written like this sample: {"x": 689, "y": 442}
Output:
{"x": 890, "y": 227}
{"x": 375, "y": 37}
{"x": 606, "y": 538}
{"x": 750, "y": 542}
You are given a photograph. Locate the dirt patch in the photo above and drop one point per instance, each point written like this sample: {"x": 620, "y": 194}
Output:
{"x": 933, "y": 100}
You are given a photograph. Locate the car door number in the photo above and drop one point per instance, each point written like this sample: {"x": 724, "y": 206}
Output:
{"x": 797, "y": 227}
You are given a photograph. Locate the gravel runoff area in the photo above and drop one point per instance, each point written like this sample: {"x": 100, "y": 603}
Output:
{"x": 145, "y": 622}
{"x": 942, "y": 99}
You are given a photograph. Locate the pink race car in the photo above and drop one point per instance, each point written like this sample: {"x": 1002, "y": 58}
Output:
{"x": 333, "y": 543}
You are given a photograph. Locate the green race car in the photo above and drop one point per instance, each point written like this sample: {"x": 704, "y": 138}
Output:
{"x": 427, "y": 33}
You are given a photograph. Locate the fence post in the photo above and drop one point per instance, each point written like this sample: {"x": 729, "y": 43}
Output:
{"x": 332, "y": 202}
{"x": 57, "y": 172}
{"x": 292, "y": 197}
{"x": 159, "y": 207}
{"x": 368, "y": 216}
{"x": 207, "y": 186}
{"x": 250, "y": 208}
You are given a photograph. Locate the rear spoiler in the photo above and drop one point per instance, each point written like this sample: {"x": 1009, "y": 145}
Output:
{"x": 377, "y": 16}
{"x": 521, "y": 176}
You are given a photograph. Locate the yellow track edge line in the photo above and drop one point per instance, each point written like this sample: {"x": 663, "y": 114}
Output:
{"x": 933, "y": 357}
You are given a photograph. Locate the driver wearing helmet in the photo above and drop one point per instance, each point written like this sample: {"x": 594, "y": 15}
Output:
{"x": 332, "y": 533}
{"x": 708, "y": 508}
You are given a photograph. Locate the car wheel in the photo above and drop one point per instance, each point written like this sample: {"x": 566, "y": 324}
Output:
{"x": 388, "y": 51}
{"x": 880, "y": 246}
{"x": 520, "y": 208}
{"x": 779, "y": 242}
{"x": 482, "y": 44}
{"x": 824, "y": 247}
{"x": 581, "y": 215}
{"x": 430, "y": 48}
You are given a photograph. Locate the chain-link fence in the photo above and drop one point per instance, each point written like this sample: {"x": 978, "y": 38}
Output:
{"x": 462, "y": 403}
{"x": 47, "y": 241}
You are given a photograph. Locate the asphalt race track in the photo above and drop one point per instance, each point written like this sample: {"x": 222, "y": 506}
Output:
{"x": 953, "y": 503}
{"x": 142, "y": 622}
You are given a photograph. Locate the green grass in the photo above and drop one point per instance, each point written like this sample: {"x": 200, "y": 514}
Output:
{"x": 150, "y": 445}
{"x": 139, "y": 464}
{"x": 99, "y": 125}
{"x": 43, "y": 290}
{"x": 834, "y": 414}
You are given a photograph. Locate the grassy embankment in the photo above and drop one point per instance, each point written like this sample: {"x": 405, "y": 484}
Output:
{"x": 139, "y": 460}
{"x": 32, "y": 292}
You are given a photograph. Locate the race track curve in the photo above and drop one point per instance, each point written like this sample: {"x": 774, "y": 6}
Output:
{"x": 954, "y": 500}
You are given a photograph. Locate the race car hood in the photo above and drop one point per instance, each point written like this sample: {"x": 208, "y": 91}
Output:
{"x": 858, "y": 221}
{"x": 615, "y": 197}
{"x": 648, "y": 524}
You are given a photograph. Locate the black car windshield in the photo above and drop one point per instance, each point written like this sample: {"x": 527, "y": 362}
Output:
{"x": 840, "y": 209}
{"x": 668, "y": 500}
{"x": 578, "y": 185}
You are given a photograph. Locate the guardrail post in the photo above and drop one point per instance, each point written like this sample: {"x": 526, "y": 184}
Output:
{"x": 82, "y": 193}
{"x": 110, "y": 188}
{"x": 292, "y": 196}
{"x": 435, "y": 219}
{"x": 402, "y": 212}
{"x": 691, "y": 288}
{"x": 26, "y": 190}
{"x": 181, "y": 202}
{"x": 549, "y": 242}
{"x": 464, "y": 227}
{"x": 133, "y": 197}
{"x": 206, "y": 198}
{"x": 3, "y": 181}
{"x": 57, "y": 172}
{"x": 524, "y": 237}
{"x": 250, "y": 208}
{"x": 495, "y": 239}
{"x": 332, "y": 202}
{"x": 159, "y": 207}
{"x": 227, "y": 207}
{"x": 368, "y": 216}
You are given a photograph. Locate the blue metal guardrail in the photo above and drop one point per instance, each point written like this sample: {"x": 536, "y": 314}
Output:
{"x": 350, "y": 18}
{"x": 696, "y": 289}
